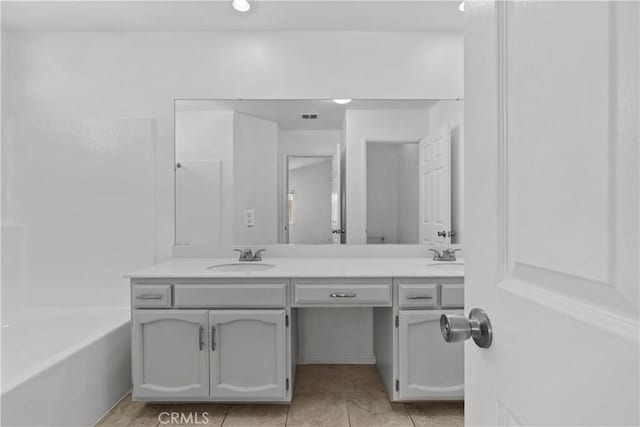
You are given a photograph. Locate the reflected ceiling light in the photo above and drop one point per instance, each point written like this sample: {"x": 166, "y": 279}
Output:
{"x": 241, "y": 5}
{"x": 342, "y": 101}
{"x": 461, "y": 6}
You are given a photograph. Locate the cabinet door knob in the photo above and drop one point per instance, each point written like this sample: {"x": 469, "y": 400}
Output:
{"x": 201, "y": 337}
{"x": 213, "y": 338}
{"x": 455, "y": 328}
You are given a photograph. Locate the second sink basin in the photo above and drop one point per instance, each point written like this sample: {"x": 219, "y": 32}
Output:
{"x": 241, "y": 267}
{"x": 457, "y": 267}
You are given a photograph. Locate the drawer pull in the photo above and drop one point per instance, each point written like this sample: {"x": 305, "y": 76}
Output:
{"x": 201, "y": 336}
{"x": 213, "y": 338}
{"x": 147, "y": 296}
{"x": 343, "y": 295}
{"x": 419, "y": 297}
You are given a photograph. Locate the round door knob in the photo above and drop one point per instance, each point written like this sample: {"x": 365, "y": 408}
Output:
{"x": 456, "y": 328}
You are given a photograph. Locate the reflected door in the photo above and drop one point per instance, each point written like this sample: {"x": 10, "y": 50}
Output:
{"x": 435, "y": 187}
{"x": 336, "y": 216}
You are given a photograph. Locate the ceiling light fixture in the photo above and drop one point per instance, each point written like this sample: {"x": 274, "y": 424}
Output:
{"x": 342, "y": 101}
{"x": 461, "y": 6}
{"x": 241, "y": 5}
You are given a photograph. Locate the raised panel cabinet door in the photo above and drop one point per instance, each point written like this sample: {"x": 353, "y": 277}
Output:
{"x": 428, "y": 366}
{"x": 170, "y": 354}
{"x": 247, "y": 354}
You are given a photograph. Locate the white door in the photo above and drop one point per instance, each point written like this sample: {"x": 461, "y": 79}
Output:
{"x": 435, "y": 187}
{"x": 248, "y": 354}
{"x": 170, "y": 358}
{"x": 429, "y": 368}
{"x": 336, "y": 223}
{"x": 551, "y": 110}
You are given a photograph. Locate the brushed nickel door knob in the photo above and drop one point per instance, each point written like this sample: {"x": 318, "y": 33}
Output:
{"x": 456, "y": 328}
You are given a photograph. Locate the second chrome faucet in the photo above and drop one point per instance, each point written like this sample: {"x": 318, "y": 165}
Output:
{"x": 445, "y": 255}
{"x": 248, "y": 255}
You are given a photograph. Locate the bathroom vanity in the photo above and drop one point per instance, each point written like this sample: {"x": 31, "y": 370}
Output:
{"x": 228, "y": 333}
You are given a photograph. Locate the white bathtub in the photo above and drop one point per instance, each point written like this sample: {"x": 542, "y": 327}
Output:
{"x": 64, "y": 366}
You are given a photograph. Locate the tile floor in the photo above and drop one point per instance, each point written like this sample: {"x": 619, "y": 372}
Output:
{"x": 324, "y": 395}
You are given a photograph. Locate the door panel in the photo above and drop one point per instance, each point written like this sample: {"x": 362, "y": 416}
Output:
{"x": 170, "y": 358}
{"x": 435, "y": 187}
{"x": 429, "y": 367}
{"x": 551, "y": 105}
{"x": 248, "y": 354}
{"x": 336, "y": 222}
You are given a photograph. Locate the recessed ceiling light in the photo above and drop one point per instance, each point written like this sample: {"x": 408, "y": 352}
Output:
{"x": 342, "y": 101}
{"x": 461, "y": 6}
{"x": 241, "y": 5}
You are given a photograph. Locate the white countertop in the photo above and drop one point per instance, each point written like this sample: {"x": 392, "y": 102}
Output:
{"x": 299, "y": 267}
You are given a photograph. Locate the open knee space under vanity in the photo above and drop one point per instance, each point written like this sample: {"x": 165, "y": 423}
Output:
{"x": 199, "y": 337}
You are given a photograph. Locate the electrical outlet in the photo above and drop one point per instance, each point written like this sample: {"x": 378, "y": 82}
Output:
{"x": 249, "y": 217}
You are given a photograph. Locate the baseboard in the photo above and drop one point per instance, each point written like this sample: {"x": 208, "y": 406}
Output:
{"x": 366, "y": 360}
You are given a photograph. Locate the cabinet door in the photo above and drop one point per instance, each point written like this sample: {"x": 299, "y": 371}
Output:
{"x": 429, "y": 368}
{"x": 170, "y": 354}
{"x": 247, "y": 354}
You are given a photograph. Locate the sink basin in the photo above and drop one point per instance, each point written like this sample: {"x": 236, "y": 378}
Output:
{"x": 244, "y": 267}
{"x": 450, "y": 267}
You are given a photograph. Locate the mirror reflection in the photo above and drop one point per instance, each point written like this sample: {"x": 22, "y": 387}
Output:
{"x": 318, "y": 172}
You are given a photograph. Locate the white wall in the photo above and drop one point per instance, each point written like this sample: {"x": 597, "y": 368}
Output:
{"x": 130, "y": 75}
{"x": 134, "y": 74}
{"x": 255, "y": 179}
{"x": 312, "y": 203}
{"x": 408, "y": 196}
{"x": 382, "y": 196}
{"x": 392, "y": 192}
{"x": 301, "y": 143}
{"x": 78, "y": 209}
{"x": 373, "y": 125}
{"x": 452, "y": 112}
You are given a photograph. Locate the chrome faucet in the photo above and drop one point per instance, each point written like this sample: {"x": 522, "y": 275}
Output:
{"x": 445, "y": 255}
{"x": 248, "y": 255}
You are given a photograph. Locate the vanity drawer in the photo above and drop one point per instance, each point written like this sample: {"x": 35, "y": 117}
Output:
{"x": 452, "y": 295}
{"x": 230, "y": 295}
{"x": 418, "y": 295}
{"x": 152, "y": 296}
{"x": 330, "y": 293}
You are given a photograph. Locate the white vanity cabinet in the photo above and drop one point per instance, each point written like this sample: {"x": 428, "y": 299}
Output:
{"x": 219, "y": 340}
{"x": 247, "y": 354}
{"x": 170, "y": 358}
{"x": 428, "y": 367}
{"x": 206, "y": 339}
{"x": 414, "y": 361}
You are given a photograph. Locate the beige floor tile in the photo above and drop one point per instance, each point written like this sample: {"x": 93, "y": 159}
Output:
{"x": 373, "y": 409}
{"x": 256, "y": 415}
{"x": 435, "y": 414}
{"x": 200, "y": 414}
{"x": 128, "y": 414}
{"x": 318, "y": 410}
{"x": 337, "y": 378}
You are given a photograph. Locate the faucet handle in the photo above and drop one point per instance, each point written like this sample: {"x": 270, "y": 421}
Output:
{"x": 436, "y": 254}
{"x": 245, "y": 254}
{"x": 257, "y": 256}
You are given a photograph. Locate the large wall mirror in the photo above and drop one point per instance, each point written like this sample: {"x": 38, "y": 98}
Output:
{"x": 319, "y": 172}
